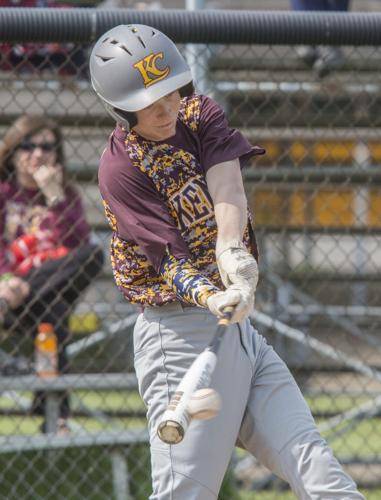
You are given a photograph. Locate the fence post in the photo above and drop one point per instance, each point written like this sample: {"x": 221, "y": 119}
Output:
{"x": 120, "y": 476}
{"x": 196, "y": 56}
{"x": 52, "y": 411}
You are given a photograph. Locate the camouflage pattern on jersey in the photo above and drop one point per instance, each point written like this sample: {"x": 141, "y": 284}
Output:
{"x": 180, "y": 180}
{"x": 133, "y": 274}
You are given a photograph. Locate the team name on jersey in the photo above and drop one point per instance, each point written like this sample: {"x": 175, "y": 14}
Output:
{"x": 192, "y": 204}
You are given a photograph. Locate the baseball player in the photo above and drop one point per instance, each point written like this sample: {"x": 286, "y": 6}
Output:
{"x": 183, "y": 248}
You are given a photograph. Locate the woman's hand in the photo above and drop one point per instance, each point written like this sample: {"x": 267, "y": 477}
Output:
{"x": 14, "y": 291}
{"x": 49, "y": 179}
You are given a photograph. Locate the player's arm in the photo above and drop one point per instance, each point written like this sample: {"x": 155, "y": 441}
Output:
{"x": 190, "y": 286}
{"x": 226, "y": 188}
{"x": 194, "y": 288}
{"x": 235, "y": 263}
{"x": 231, "y": 215}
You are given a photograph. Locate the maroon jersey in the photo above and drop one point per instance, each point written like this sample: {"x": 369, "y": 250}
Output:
{"x": 156, "y": 198}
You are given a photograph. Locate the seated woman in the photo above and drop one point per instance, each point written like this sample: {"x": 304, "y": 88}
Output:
{"x": 46, "y": 257}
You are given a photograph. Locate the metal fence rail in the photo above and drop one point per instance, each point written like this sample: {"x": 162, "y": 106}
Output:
{"x": 316, "y": 199}
{"x": 207, "y": 26}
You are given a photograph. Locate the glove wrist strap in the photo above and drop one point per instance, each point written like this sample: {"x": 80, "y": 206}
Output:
{"x": 229, "y": 245}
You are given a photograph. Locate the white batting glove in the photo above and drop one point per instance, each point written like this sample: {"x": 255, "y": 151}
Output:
{"x": 239, "y": 297}
{"x": 236, "y": 265}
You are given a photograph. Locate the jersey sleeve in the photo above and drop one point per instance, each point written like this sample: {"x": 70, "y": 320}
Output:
{"x": 186, "y": 281}
{"x": 219, "y": 142}
{"x": 137, "y": 213}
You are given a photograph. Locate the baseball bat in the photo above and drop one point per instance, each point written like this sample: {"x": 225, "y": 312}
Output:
{"x": 176, "y": 419}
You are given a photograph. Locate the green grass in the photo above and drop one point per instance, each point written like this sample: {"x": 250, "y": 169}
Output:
{"x": 111, "y": 400}
{"x": 93, "y": 400}
{"x": 86, "y": 474}
{"x": 96, "y": 400}
{"x": 73, "y": 474}
{"x": 363, "y": 440}
{"x": 19, "y": 425}
{"x": 284, "y": 495}
{"x": 326, "y": 403}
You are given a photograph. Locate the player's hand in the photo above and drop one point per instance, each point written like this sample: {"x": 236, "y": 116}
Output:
{"x": 14, "y": 291}
{"x": 49, "y": 179}
{"x": 236, "y": 265}
{"x": 239, "y": 297}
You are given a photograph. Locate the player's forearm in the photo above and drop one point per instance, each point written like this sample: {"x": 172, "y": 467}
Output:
{"x": 230, "y": 204}
{"x": 189, "y": 285}
{"x": 231, "y": 219}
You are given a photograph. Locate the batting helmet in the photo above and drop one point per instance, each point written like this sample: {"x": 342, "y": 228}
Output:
{"x": 132, "y": 66}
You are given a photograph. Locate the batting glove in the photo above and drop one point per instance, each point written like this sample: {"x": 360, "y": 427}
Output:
{"x": 238, "y": 296}
{"x": 236, "y": 265}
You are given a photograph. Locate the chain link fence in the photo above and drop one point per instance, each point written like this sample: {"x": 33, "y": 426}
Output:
{"x": 316, "y": 201}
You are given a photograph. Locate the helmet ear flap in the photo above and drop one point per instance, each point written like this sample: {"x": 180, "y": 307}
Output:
{"x": 187, "y": 90}
{"x": 126, "y": 118}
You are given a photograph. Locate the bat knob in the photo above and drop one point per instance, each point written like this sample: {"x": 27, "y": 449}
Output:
{"x": 170, "y": 432}
{"x": 228, "y": 313}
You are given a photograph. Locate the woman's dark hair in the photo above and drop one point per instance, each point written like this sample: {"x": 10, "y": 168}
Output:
{"x": 23, "y": 128}
{"x": 185, "y": 91}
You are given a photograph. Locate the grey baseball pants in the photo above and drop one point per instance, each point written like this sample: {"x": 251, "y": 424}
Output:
{"x": 262, "y": 411}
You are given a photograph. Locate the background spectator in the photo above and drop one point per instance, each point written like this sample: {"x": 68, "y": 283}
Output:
{"x": 132, "y": 4}
{"x": 46, "y": 257}
{"x": 322, "y": 59}
{"x": 67, "y": 59}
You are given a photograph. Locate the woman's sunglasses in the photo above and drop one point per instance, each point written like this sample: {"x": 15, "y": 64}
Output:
{"x": 31, "y": 146}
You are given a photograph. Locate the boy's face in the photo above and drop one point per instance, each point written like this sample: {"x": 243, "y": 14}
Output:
{"x": 157, "y": 122}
